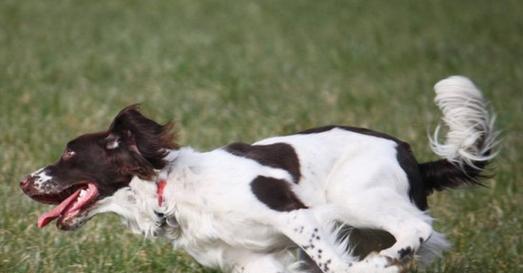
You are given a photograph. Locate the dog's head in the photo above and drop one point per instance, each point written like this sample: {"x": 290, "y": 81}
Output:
{"x": 94, "y": 166}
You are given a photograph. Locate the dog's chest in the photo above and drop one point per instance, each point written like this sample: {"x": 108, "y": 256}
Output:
{"x": 213, "y": 201}
{"x": 216, "y": 209}
{"x": 211, "y": 236}
{"x": 234, "y": 227}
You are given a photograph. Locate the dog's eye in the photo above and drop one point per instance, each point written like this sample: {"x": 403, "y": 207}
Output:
{"x": 68, "y": 154}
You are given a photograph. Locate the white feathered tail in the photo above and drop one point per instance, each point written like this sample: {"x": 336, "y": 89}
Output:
{"x": 470, "y": 139}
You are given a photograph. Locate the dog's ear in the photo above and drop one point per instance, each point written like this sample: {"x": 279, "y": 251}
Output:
{"x": 147, "y": 140}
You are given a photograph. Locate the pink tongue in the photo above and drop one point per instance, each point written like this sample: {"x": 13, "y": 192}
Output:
{"x": 57, "y": 211}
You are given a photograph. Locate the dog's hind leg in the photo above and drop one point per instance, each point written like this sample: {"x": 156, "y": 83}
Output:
{"x": 388, "y": 211}
{"x": 319, "y": 242}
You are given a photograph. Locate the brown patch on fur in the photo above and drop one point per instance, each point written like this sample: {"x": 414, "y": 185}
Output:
{"x": 277, "y": 155}
{"x": 147, "y": 140}
{"x": 366, "y": 241}
{"x": 276, "y": 194}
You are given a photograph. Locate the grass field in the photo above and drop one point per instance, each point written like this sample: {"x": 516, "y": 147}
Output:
{"x": 242, "y": 70}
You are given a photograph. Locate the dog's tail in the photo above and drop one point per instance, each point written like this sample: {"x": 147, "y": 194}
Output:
{"x": 470, "y": 138}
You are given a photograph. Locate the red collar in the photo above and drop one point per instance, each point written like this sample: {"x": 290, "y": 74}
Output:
{"x": 160, "y": 187}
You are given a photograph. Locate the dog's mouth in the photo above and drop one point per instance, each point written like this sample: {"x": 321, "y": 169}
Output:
{"x": 71, "y": 203}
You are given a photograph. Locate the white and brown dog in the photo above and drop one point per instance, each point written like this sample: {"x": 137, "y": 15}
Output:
{"x": 350, "y": 199}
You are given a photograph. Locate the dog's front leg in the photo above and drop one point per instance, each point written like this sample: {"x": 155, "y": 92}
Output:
{"x": 316, "y": 239}
{"x": 319, "y": 241}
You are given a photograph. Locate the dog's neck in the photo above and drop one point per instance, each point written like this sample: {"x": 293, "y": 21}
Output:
{"x": 139, "y": 206}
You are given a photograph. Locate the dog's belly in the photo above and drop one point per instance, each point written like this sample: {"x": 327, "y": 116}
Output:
{"x": 221, "y": 242}
{"x": 234, "y": 231}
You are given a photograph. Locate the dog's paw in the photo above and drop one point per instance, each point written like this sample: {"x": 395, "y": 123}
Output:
{"x": 374, "y": 263}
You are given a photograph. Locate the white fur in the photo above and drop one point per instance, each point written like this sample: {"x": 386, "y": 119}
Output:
{"x": 346, "y": 177}
{"x": 222, "y": 224}
{"x": 466, "y": 115}
{"x": 42, "y": 178}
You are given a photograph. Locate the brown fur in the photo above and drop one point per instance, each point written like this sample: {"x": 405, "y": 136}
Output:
{"x": 147, "y": 140}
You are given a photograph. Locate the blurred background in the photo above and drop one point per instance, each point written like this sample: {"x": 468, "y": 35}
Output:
{"x": 229, "y": 71}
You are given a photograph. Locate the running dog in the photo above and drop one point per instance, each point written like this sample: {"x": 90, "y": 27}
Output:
{"x": 350, "y": 199}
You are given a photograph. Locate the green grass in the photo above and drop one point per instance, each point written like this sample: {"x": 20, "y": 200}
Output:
{"x": 243, "y": 70}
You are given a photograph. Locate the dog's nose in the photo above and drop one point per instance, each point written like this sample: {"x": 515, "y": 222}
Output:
{"x": 26, "y": 182}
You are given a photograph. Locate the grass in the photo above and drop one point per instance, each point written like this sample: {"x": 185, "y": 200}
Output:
{"x": 244, "y": 70}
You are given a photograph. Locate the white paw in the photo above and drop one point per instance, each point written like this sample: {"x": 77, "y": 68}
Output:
{"x": 374, "y": 264}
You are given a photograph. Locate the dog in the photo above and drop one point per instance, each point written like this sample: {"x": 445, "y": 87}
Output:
{"x": 349, "y": 199}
